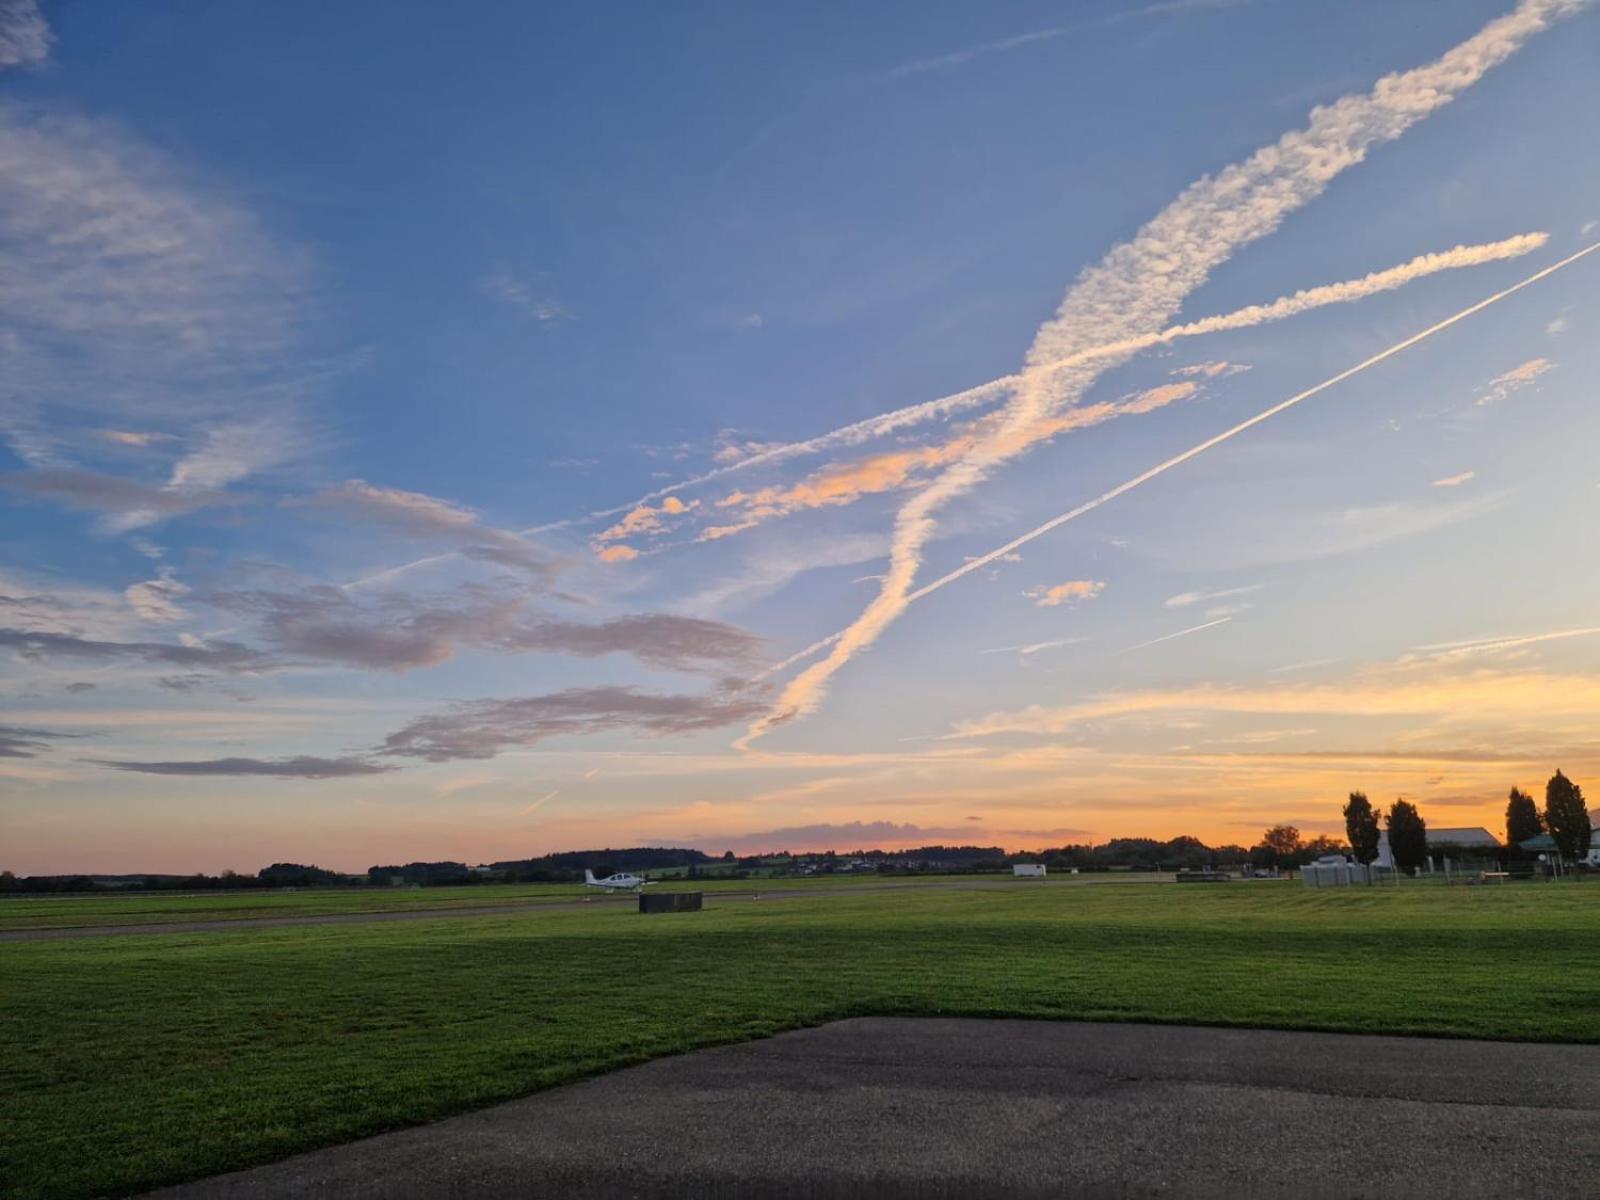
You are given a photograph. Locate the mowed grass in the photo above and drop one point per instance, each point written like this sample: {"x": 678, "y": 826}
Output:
{"x": 165, "y": 908}
{"x": 130, "y": 1062}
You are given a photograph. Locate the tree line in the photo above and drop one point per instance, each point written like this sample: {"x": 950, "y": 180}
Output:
{"x": 1564, "y": 817}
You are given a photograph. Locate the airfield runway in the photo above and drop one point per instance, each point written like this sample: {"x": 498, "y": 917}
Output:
{"x": 933, "y": 1107}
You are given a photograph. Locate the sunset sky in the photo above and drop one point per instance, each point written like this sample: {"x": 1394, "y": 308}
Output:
{"x": 477, "y": 431}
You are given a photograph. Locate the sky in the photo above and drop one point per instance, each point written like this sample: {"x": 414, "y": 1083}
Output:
{"x": 529, "y": 427}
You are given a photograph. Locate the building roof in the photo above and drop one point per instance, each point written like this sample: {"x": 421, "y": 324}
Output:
{"x": 1473, "y": 836}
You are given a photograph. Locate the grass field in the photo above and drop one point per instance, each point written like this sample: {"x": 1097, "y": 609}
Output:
{"x": 151, "y": 908}
{"x": 129, "y": 1062}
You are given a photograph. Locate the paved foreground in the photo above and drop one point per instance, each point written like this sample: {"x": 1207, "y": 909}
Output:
{"x": 900, "y": 1107}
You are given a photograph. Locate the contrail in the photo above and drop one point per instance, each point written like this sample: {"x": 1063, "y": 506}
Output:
{"x": 980, "y": 395}
{"x": 1162, "y": 468}
{"x": 984, "y": 394}
{"x": 1035, "y": 647}
{"x": 540, "y": 802}
{"x": 1179, "y": 634}
{"x": 1141, "y": 284}
{"x": 798, "y": 656}
{"x": 984, "y": 560}
{"x": 1477, "y": 645}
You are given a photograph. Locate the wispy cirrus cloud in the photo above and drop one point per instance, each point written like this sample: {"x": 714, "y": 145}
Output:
{"x": 1450, "y": 481}
{"x": 1502, "y": 387}
{"x": 1186, "y": 599}
{"x": 1141, "y": 284}
{"x": 848, "y": 482}
{"x": 25, "y": 36}
{"x": 485, "y": 728}
{"x": 17, "y": 741}
{"x": 32, "y": 646}
{"x": 1212, "y": 369}
{"x": 141, "y": 294}
{"x": 533, "y": 301}
{"x": 644, "y": 518}
{"x": 302, "y": 766}
{"x": 417, "y": 515}
{"x": 122, "y": 503}
{"x": 397, "y": 631}
{"x": 1074, "y": 591}
{"x": 990, "y": 393}
{"x": 1394, "y": 690}
{"x": 157, "y": 599}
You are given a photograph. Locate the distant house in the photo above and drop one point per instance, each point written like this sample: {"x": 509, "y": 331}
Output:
{"x": 1475, "y": 837}
{"x": 1028, "y": 870}
{"x": 1467, "y": 838}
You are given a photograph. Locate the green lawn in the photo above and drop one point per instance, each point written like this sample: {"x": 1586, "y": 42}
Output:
{"x": 129, "y": 1062}
{"x": 150, "y": 908}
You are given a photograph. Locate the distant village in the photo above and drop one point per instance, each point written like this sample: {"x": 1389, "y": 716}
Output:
{"x": 1398, "y": 840}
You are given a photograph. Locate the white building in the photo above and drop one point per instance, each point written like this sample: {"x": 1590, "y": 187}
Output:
{"x": 1028, "y": 870}
{"x": 1474, "y": 836}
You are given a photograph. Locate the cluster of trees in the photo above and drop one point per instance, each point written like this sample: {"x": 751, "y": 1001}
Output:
{"x": 1408, "y": 832}
{"x": 275, "y": 876}
{"x": 1565, "y": 818}
{"x": 569, "y": 865}
{"x": 1283, "y": 847}
{"x": 1141, "y": 854}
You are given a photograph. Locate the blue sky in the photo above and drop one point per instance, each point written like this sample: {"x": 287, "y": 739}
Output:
{"x": 363, "y": 374}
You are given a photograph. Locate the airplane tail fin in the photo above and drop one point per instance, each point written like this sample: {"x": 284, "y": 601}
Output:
{"x": 588, "y": 876}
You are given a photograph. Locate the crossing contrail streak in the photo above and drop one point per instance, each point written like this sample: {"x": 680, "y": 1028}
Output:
{"x": 798, "y": 656}
{"x": 1181, "y": 633}
{"x": 1141, "y": 285}
{"x": 1177, "y": 460}
{"x": 982, "y": 394}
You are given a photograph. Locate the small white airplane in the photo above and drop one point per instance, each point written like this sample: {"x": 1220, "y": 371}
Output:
{"x": 623, "y": 881}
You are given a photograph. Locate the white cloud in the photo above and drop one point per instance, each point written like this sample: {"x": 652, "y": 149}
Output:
{"x": 139, "y": 439}
{"x": 1074, "y": 591}
{"x": 1215, "y": 369}
{"x": 1185, "y": 599}
{"x": 25, "y": 37}
{"x": 536, "y": 303}
{"x": 140, "y": 300}
{"x": 1514, "y": 380}
{"x": 156, "y": 599}
{"x": 1455, "y": 480}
